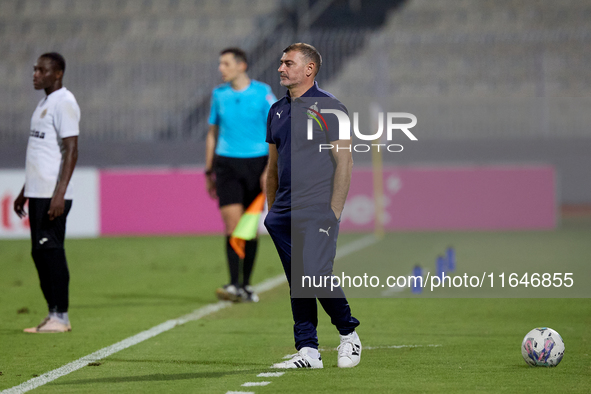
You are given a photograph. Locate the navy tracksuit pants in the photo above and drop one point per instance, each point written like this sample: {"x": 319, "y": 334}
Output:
{"x": 306, "y": 250}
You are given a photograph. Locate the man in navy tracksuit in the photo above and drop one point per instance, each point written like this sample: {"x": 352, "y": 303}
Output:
{"x": 306, "y": 192}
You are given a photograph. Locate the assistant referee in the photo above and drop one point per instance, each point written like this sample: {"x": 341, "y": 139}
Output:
{"x": 236, "y": 159}
{"x": 52, "y": 152}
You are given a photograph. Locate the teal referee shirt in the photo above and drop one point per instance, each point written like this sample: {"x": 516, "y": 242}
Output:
{"x": 241, "y": 116}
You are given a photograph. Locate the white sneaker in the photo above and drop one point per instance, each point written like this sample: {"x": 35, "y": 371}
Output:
{"x": 248, "y": 295}
{"x": 228, "y": 293}
{"x": 50, "y": 325}
{"x": 349, "y": 350}
{"x": 300, "y": 360}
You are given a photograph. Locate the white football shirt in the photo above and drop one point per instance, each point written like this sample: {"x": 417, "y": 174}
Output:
{"x": 56, "y": 117}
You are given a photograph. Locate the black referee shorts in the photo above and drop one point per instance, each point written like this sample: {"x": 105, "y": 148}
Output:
{"x": 45, "y": 233}
{"x": 238, "y": 181}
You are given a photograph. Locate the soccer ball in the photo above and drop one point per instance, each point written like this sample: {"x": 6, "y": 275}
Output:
{"x": 542, "y": 347}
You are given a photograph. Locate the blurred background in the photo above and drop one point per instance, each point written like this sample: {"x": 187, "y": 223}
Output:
{"x": 143, "y": 70}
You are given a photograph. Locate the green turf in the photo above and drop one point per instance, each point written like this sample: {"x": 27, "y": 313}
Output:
{"x": 122, "y": 286}
{"x": 543, "y": 252}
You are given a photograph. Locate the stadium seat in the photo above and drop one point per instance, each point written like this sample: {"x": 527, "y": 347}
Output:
{"x": 442, "y": 48}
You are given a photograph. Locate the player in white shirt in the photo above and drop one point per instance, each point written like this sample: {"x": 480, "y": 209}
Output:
{"x": 52, "y": 153}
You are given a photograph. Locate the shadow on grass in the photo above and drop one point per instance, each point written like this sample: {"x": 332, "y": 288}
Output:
{"x": 12, "y": 331}
{"x": 159, "y": 377}
{"x": 190, "y": 362}
{"x": 145, "y": 299}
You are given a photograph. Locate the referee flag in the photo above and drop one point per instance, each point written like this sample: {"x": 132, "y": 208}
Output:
{"x": 247, "y": 226}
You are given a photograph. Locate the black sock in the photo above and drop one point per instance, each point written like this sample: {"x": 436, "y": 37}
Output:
{"x": 250, "y": 252}
{"x": 54, "y": 278}
{"x": 233, "y": 263}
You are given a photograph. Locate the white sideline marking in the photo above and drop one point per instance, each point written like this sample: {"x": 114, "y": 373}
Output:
{"x": 325, "y": 349}
{"x": 355, "y": 246}
{"x": 270, "y": 374}
{"x": 397, "y": 346}
{"x": 109, "y": 350}
{"x": 250, "y": 384}
{"x": 270, "y": 283}
{"x": 167, "y": 325}
{"x": 382, "y": 347}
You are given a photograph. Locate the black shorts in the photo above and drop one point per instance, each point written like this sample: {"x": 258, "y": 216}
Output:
{"x": 238, "y": 181}
{"x": 45, "y": 233}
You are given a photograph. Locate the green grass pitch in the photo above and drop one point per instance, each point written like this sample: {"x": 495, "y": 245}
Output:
{"x": 122, "y": 286}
